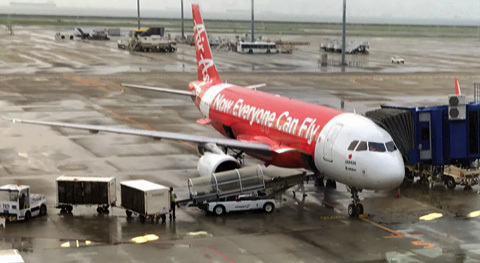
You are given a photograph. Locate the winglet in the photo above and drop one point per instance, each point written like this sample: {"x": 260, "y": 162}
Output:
{"x": 205, "y": 67}
{"x": 457, "y": 87}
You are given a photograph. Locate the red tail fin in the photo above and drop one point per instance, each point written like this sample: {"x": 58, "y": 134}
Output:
{"x": 205, "y": 67}
{"x": 457, "y": 87}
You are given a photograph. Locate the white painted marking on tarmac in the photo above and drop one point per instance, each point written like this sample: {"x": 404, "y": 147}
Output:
{"x": 199, "y": 233}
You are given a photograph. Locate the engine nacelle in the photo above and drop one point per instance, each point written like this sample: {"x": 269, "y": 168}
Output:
{"x": 211, "y": 163}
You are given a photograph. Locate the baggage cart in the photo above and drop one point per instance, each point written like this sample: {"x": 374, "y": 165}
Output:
{"x": 89, "y": 191}
{"x": 147, "y": 199}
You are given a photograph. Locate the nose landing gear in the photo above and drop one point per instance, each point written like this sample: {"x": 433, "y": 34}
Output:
{"x": 355, "y": 208}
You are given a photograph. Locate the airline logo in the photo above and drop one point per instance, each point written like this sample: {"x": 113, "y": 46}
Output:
{"x": 203, "y": 63}
{"x": 307, "y": 128}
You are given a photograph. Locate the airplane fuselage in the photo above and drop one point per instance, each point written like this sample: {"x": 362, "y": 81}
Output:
{"x": 302, "y": 134}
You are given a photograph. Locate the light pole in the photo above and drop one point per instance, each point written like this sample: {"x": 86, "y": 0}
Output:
{"x": 343, "y": 30}
{"x": 138, "y": 13}
{"x": 253, "y": 25}
{"x": 183, "y": 32}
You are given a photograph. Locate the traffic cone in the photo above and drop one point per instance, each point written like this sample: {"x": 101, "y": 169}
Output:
{"x": 398, "y": 193}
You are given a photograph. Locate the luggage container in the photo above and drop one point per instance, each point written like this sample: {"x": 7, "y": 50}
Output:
{"x": 147, "y": 199}
{"x": 89, "y": 191}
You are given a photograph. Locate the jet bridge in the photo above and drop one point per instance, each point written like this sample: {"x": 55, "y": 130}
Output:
{"x": 434, "y": 135}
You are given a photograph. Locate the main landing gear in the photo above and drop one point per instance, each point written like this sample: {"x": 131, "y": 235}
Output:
{"x": 355, "y": 208}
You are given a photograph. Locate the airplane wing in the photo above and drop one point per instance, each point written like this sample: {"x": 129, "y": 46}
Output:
{"x": 256, "y": 86}
{"x": 173, "y": 91}
{"x": 247, "y": 146}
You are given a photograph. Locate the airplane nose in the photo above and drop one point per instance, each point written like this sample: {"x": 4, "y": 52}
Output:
{"x": 394, "y": 172}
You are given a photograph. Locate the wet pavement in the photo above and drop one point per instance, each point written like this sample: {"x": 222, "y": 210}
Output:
{"x": 316, "y": 229}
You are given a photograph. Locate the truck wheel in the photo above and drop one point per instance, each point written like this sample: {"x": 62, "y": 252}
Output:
{"x": 43, "y": 210}
{"x": 450, "y": 182}
{"x": 250, "y": 51}
{"x": 128, "y": 213}
{"x": 106, "y": 211}
{"x": 28, "y": 216}
{"x": 99, "y": 210}
{"x": 164, "y": 217}
{"x": 219, "y": 210}
{"x": 142, "y": 218}
{"x": 69, "y": 208}
{"x": 268, "y": 207}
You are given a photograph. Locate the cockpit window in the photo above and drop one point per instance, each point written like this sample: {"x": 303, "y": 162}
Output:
{"x": 352, "y": 145}
{"x": 391, "y": 146}
{"x": 362, "y": 146}
{"x": 376, "y": 147}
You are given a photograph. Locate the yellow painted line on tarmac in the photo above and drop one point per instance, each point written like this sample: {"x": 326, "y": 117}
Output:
{"x": 395, "y": 234}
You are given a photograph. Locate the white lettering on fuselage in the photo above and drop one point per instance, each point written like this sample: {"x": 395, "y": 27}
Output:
{"x": 203, "y": 63}
{"x": 266, "y": 118}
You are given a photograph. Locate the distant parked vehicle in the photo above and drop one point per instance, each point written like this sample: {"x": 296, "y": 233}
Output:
{"x": 398, "y": 60}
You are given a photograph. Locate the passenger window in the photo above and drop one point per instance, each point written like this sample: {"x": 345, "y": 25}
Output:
{"x": 391, "y": 146}
{"x": 376, "y": 147}
{"x": 352, "y": 145}
{"x": 362, "y": 146}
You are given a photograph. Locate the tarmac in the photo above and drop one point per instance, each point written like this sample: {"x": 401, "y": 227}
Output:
{"x": 79, "y": 82}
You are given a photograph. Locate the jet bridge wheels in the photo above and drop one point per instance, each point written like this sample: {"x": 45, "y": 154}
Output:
{"x": 355, "y": 208}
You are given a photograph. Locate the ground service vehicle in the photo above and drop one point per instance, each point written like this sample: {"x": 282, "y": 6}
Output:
{"x": 17, "y": 203}
{"x": 241, "y": 204}
{"x": 256, "y": 47}
{"x": 89, "y": 191}
{"x": 454, "y": 175}
{"x": 397, "y": 60}
{"x": 147, "y": 199}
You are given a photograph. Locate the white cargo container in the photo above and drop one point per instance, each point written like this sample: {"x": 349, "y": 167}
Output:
{"x": 10, "y": 256}
{"x": 147, "y": 199}
{"x": 89, "y": 191}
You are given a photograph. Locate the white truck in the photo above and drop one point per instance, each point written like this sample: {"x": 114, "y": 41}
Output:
{"x": 147, "y": 199}
{"x": 454, "y": 175}
{"x": 244, "y": 203}
{"x": 17, "y": 203}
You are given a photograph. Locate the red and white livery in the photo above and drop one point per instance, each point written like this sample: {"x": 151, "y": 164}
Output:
{"x": 344, "y": 147}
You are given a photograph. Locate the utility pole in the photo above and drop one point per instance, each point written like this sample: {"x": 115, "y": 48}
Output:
{"x": 183, "y": 31}
{"x": 343, "y": 31}
{"x": 138, "y": 13}
{"x": 253, "y": 25}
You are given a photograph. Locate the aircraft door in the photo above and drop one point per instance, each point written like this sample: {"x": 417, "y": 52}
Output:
{"x": 425, "y": 136}
{"x": 330, "y": 140}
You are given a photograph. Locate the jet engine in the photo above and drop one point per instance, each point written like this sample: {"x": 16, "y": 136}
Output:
{"x": 211, "y": 163}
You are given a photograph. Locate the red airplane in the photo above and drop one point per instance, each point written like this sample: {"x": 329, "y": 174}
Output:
{"x": 344, "y": 147}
